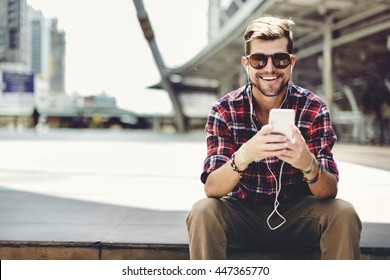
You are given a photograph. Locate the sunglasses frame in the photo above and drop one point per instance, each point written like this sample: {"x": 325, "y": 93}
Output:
{"x": 272, "y": 58}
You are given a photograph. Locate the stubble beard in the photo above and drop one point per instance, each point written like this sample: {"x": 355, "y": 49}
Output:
{"x": 270, "y": 92}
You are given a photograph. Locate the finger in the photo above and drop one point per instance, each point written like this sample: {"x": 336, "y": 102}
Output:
{"x": 276, "y": 147}
{"x": 296, "y": 131}
{"x": 277, "y": 138}
{"x": 266, "y": 129}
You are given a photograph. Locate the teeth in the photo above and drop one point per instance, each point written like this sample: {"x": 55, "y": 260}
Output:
{"x": 268, "y": 78}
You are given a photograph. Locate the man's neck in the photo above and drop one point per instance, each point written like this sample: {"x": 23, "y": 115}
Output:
{"x": 263, "y": 104}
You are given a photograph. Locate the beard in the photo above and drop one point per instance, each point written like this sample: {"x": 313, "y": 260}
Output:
{"x": 269, "y": 92}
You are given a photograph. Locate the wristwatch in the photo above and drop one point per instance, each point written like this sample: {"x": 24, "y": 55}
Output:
{"x": 233, "y": 165}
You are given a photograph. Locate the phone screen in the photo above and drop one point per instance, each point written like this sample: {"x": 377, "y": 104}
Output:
{"x": 282, "y": 121}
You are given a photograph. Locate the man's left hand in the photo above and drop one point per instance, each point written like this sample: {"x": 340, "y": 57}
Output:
{"x": 297, "y": 153}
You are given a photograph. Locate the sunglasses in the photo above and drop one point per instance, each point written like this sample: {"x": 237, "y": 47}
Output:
{"x": 279, "y": 60}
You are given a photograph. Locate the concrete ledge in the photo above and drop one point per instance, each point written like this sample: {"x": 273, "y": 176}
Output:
{"x": 13, "y": 250}
{"x": 36, "y": 250}
{"x": 144, "y": 251}
{"x": 22, "y": 250}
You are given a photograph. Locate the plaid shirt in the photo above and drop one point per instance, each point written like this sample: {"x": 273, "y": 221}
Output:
{"x": 232, "y": 121}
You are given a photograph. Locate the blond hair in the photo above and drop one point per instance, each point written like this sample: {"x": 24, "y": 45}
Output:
{"x": 269, "y": 28}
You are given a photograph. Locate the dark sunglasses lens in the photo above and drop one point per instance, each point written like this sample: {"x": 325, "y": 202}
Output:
{"x": 258, "y": 61}
{"x": 281, "y": 60}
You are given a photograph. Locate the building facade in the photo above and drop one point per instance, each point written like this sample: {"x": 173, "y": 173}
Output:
{"x": 13, "y": 23}
{"x": 30, "y": 39}
{"x": 32, "y": 60}
{"x": 57, "y": 58}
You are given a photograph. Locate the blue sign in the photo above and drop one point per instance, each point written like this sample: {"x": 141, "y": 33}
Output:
{"x": 18, "y": 83}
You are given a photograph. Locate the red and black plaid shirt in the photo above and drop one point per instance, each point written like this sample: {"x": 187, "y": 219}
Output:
{"x": 232, "y": 121}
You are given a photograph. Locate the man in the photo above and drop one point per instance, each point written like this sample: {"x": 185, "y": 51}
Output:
{"x": 262, "y": 189}
{"x": 35, "y": 118}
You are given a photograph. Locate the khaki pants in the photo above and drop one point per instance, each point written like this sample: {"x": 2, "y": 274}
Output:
{"x": 214, "y": 224}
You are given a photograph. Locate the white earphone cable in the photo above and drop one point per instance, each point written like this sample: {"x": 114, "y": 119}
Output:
{"x": 278, "y": 186}
{"x": 278, "y": 182}
{"x": 276, "y": 202}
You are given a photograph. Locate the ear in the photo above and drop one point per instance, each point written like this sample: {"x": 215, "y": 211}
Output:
{"x": 293, "y": 61}
{"x": 245, "y": 63}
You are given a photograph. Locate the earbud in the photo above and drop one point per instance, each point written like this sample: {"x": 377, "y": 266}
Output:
{"x": 247, "y": 69}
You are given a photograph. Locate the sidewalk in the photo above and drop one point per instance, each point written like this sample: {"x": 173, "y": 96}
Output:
{"x": 129, "y": 186}
{"x": 98, "y": 186}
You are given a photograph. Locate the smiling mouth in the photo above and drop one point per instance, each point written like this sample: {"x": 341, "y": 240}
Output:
{"x": 268, "y": 78}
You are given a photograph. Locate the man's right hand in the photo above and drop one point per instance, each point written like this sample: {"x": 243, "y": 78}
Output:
{"x": 264, "y": 144}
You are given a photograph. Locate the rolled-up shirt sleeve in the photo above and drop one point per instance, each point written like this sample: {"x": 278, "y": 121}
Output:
{"x": 220, "y": 145}
{"x": 320, "y": 138}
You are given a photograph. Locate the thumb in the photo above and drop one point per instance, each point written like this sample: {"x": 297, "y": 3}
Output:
{"x": 297, "y": 135}
{"x": 266, "y": 129}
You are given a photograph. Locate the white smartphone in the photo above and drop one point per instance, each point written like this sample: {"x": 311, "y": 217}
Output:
{"x": 282, "y": 121}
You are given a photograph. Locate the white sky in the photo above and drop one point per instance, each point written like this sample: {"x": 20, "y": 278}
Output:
{"x": 106, "y": 49}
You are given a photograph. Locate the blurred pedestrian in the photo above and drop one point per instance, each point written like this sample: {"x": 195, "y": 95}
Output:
{"x": 35, "y": 118}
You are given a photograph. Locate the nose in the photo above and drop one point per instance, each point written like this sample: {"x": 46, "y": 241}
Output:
{"x": 269, "y": 67}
